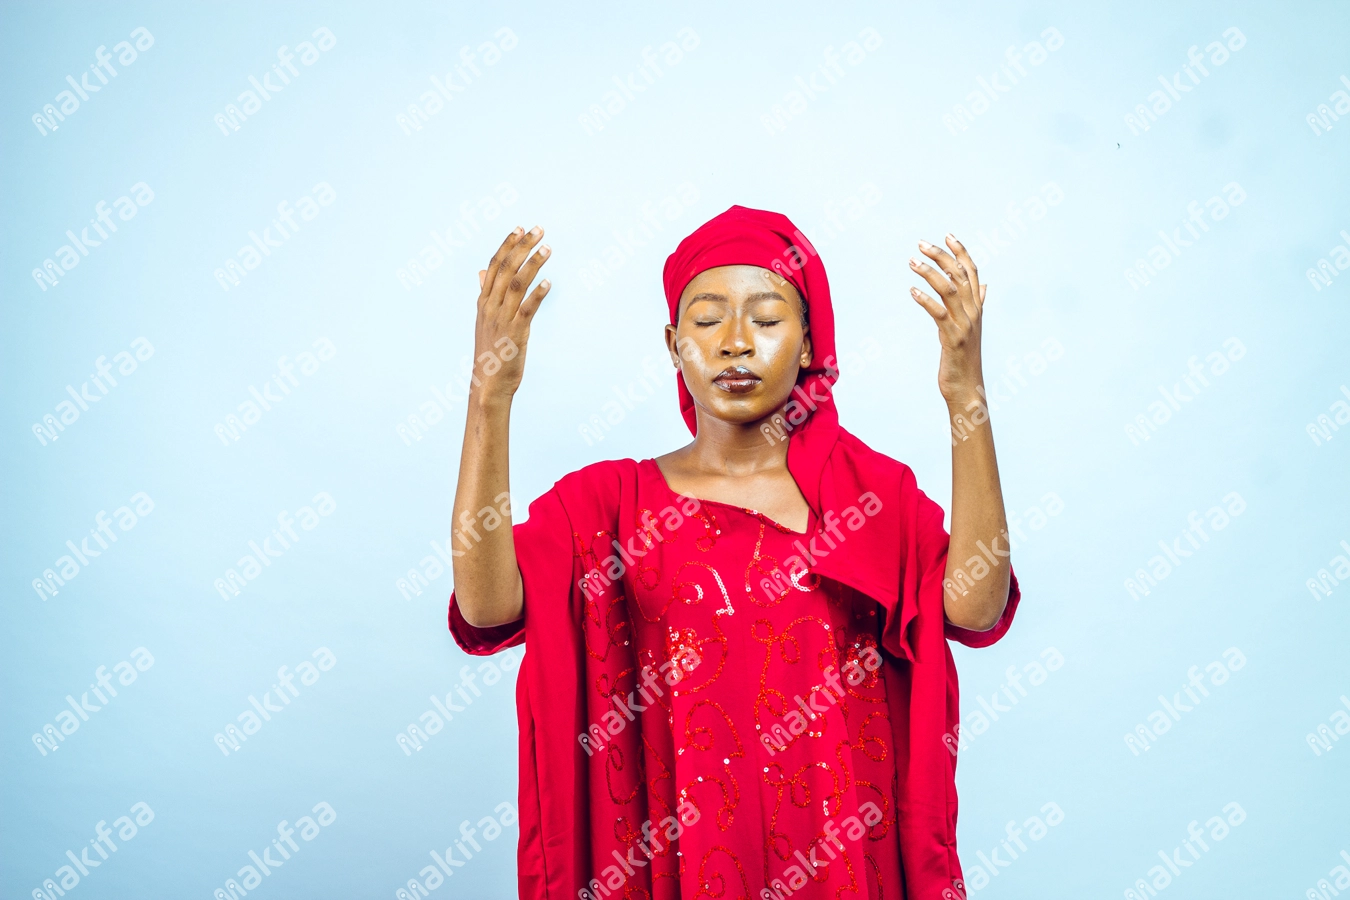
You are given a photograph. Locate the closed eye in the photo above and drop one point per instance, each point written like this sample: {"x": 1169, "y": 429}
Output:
{"x": 768, "y": 321}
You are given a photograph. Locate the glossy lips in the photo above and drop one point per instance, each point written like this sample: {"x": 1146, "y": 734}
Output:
{"x": 737, "y": 380}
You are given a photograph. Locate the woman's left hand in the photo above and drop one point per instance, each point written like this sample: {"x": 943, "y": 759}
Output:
{"x": 958, "y": 315}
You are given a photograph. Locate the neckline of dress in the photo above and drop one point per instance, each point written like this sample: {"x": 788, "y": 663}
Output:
{"x": 661, "y": 477}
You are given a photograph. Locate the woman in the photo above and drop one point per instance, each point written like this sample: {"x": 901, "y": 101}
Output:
{"x": 738, "y": 683}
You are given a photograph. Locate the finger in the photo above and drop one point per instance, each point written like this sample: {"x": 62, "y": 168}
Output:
{"x": 522, "y": 280}
{"x": 934, "y": 308}
{"x": 939, "y": 282}
{"x": 508, "y": 269}
{"x": 531, "y": 303}
{"x": 497, "y": 257}
{"x": 948, "y": 264}
{"x": 963, "y": 257}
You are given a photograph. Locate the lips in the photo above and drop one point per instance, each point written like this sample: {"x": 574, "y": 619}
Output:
{"x": 737, "y": 380}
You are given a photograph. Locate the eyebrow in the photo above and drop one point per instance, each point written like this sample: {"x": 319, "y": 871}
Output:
{"x": 722, "y": 298}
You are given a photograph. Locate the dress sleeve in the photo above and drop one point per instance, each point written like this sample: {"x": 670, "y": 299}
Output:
{"x": 544, "y": 556}
{"x": 933, "y": 545}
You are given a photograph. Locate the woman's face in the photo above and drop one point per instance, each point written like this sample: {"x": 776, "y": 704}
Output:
{"x": 739, "y": 340}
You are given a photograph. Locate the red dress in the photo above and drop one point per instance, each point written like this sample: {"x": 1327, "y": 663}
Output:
{"x": 731, "y": 715}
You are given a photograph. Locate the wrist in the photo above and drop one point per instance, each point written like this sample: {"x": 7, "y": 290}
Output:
{"x": 489, "y": 403}
{"x": 960, "y": 399}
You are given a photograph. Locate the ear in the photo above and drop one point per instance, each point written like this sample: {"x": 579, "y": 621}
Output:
{"x": 806, "y": 348}
{"x": 673, "y": 346}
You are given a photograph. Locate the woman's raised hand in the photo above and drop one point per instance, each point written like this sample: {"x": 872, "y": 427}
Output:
{"x": 958, "y": 317}
{"x": 504, "y": 313}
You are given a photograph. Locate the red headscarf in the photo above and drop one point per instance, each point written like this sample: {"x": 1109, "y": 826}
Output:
{"x": 756, "y": 237}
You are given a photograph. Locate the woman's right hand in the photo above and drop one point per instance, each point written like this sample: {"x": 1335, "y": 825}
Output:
{"x": 504, "y": 314}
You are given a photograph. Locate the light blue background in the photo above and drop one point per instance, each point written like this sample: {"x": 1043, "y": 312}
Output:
{"x": 881, "y": 125}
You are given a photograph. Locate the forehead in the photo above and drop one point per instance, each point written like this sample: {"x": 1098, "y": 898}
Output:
{"x": 737, "y": 282}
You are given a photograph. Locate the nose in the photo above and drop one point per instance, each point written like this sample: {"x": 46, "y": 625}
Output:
{"x": 736, "y": 340}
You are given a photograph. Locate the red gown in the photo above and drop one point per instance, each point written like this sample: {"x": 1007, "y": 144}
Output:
{"x": 708, "y": 708}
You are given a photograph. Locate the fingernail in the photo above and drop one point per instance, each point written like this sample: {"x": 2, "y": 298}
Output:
{"x": 536, "y": 231}
{"x": 951, "y": 237}
{"x": 519, "y": 230}
{"x": 913, "y": 263}
{"x": 924, "y": 244}
{"x": 545, "y": 284}
{"x": 544, "y": 250}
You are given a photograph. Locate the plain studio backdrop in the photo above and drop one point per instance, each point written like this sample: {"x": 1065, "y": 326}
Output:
{"x": 1077, "y": 171}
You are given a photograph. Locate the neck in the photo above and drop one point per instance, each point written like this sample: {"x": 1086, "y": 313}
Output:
{"x": 734, "y": 448}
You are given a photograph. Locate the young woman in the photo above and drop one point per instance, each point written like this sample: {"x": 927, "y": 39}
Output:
{"x": 738, "y": 682}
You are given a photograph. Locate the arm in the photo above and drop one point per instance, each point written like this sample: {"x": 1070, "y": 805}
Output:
{"x": 978, "y": 518}
{"x": 487, "y": 579}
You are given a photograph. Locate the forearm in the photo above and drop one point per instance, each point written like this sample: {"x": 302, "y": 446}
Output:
{"x": 979, "y": 531}
{"x": 488, "y": 588}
